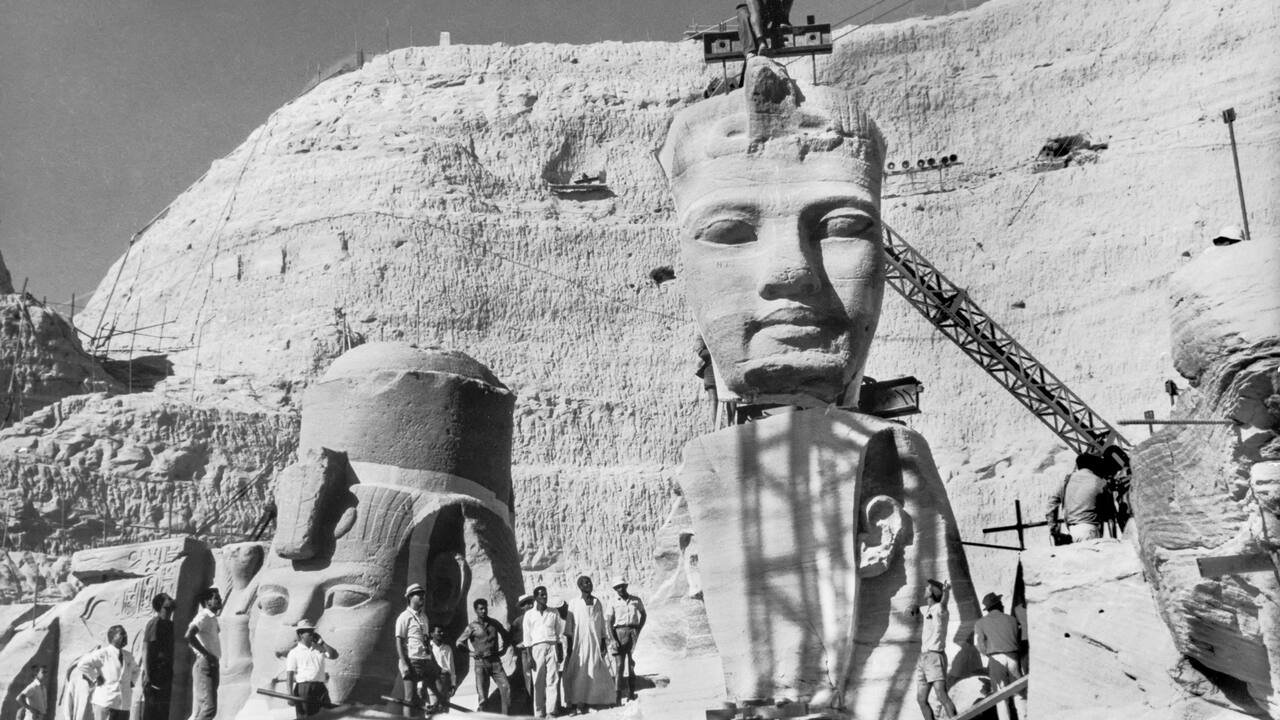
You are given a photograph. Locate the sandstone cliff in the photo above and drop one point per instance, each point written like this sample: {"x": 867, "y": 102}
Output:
{"x": 407, "y": 200}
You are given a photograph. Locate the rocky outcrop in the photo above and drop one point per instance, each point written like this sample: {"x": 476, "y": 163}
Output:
{"x": 1098, "y": 647}
{"x": 96, "y": 469}
{"x": 1214, "y": 491}
{"x": 41, "y": 359}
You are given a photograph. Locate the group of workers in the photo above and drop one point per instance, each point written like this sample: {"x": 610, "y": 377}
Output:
{"x": 1001, "y": 637}
{"x": 564, "y": 651}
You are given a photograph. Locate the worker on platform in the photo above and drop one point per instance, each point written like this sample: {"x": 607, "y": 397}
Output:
{"x": 931, "y": 668}
{"x": 762, "y": 25}
{"x": 997, "y": 636}
{"x": 1084, "y": 500}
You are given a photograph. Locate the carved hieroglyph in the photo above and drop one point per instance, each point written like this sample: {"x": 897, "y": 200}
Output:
{"x": 817, "y": 529}
{"x": 403, "y": 476}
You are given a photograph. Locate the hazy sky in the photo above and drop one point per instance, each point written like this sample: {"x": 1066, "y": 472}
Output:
{"x": 110, "y": 108}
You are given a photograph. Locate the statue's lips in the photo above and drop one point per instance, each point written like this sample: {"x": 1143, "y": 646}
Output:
{"x": 796, "y": 322}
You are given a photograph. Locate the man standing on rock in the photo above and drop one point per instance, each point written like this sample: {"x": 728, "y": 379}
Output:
{"x": 624, "y": 618}
{"x": 543, "y": 629}
{"x": 996, "y": 635}
{"x": 489, "y": 640}
{"x": 204, "y": 635}
{"x": 931, "y": 669}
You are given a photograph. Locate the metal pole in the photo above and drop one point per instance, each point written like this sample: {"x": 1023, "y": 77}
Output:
{"x": 1017, "y": 516}
{"x": 1229, "y": 117}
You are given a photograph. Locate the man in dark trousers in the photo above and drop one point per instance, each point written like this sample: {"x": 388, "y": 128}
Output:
{"x": 157, "y": 660}
{"x": 489, "y": 640}
{"x": 997, "y": 636}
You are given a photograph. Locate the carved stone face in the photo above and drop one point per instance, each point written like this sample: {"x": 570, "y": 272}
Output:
{"x": 785, "y": 280}
{"x": 348, "y": 601}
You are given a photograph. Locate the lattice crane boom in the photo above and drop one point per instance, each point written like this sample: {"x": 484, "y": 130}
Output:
{"x": 956, "y": 316}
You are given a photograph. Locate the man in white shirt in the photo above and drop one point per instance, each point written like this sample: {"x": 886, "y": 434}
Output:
{"x": 33, "y": 700}
{"x": 117, "y": 671}
{"x": 418, "y": 667}
{"x": 304, "y": 668}
{"x": 442, "y": 653}
{"x": 543, "y": 629}
{"x": 205, "y": 638}
{"x": 931, "y": 669}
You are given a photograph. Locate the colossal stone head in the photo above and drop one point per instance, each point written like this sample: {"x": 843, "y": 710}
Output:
{"x": 777, "y": 194}
{"x": 404, "y": 476}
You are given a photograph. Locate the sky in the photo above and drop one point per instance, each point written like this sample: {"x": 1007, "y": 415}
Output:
{"x": 110, "y": 108}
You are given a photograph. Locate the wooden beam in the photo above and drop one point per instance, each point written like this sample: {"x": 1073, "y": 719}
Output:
{"x": 990, "y": 701}
{"x": 1235, "y": 564}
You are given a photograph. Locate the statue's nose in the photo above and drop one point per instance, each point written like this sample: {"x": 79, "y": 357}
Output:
{"x": 787, "y": 268}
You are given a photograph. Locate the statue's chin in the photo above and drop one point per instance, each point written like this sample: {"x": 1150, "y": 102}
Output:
{"x": 802, "y": 373}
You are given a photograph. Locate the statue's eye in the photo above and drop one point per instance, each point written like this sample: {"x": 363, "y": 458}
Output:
{"x": 846, "y": 223}
{"x": 728, "y": 232}
{"x": 273, "y": 599}
{"x": 345, "y": 597}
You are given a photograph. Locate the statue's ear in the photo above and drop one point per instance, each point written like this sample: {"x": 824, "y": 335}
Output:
{"x": 880, "y": 536}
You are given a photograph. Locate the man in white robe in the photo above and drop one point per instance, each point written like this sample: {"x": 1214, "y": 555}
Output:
{"x": 587, "y": 679}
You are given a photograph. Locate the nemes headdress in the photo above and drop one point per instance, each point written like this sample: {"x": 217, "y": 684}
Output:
{"x": 749, "y": 135}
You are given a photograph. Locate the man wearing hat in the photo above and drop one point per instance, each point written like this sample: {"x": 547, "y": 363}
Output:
{"x": 625, "y": 618}
{"x": 417, "y": 667}
{"x": 304, "y": 668}
{"x": 996, "y": 635}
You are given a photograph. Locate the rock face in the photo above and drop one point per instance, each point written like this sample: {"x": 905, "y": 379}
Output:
{"x": 1098, "y": 641}
{"x": 410, "y": 196}
{"x": 94, "y": 469}
{"x": 1205, "y": 491}
{"x": 41, "y": 359}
